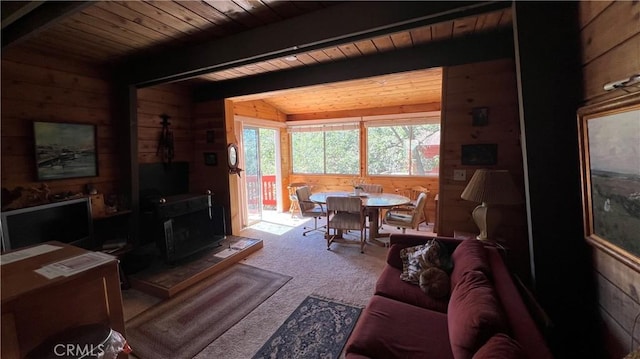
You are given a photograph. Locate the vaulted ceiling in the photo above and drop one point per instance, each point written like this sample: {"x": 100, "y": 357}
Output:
{"x": 230, "y": 48}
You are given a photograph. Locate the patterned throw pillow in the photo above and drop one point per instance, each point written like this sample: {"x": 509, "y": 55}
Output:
{"x": 416, "y": 259}
{"x": 435, "y": 282}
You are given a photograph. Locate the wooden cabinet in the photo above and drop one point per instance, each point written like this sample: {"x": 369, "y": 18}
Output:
{"x": 34, "y": 307}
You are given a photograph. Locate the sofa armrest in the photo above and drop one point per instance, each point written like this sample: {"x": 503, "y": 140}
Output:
{"x": 399, "y": 241}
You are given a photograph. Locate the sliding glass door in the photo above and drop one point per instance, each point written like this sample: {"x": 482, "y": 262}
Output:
{"x": 253, "y": 180}
{"x": 259, "y": 150}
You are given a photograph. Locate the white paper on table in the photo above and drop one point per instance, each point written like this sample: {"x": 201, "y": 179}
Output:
{"x": 47, "y": 272}
{"x": 27, "y": 253}
{"x": 77, "y": 264}
{"x": 225, "y": 253}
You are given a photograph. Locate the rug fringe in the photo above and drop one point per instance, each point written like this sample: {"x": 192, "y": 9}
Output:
{"x": 322, "y": 297}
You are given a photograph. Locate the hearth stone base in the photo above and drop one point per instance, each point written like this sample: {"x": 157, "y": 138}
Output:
{"x": 166, "y": 280}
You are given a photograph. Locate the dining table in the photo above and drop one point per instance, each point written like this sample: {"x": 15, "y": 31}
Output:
{"x": 373, "y": 203}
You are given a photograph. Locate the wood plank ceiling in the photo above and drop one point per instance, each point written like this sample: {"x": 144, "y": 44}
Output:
{"x": 105, "y": 33}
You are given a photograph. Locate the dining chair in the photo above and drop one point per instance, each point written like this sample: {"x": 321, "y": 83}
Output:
{"x": 413, "y": 193}
{"x": 407, "y": 219}
{"x": 293, "y": 197}
{"x": 373, "y": 188}
{"x": 309, "y": 208}
{"x": 345, "y": 213}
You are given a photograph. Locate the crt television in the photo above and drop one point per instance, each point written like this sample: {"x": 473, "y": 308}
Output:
{"x": 66, "y": 221}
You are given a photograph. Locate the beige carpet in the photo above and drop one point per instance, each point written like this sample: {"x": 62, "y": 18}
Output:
{"x": 342, "y": 273}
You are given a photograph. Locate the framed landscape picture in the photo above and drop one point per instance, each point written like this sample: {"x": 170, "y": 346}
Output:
{"x": 65, "y": 150}
{"x": 610, "y": 164}
{"x": 479, "y": 154}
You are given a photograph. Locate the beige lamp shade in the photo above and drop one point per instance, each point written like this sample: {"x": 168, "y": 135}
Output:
{"x": 490, "y": 187}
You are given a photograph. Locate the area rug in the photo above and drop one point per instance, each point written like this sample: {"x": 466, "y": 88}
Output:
{"x": 318, "y": 328}
{"x": 185, "y": 324}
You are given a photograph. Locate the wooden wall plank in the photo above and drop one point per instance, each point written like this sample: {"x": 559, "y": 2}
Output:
{"x": 617, "y": 273}
{"x": 616, "y": 341}
{"x": 211, "y": 116}
{"x": 489, "y": 84}
{"x": 26, "y": 73}
{"x": 36, "y": 87}
{"x": 600, "y": 36}
{"x": 258, "y": 109}
{"x": 28, "y": 55}
{"x": 619, "y": 302}
{"x": 588, "y": 11}
{"x": 610, "y": 41}
{"x": 174, "y": 101}
{"x": 426, "y": 107}
{"x": 619, "y": 63}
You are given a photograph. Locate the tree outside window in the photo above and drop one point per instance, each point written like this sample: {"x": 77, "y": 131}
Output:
{"x": 404, "y": 150}
{"x": 326, "y": 152}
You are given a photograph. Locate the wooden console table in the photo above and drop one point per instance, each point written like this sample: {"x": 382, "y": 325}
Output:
{"x": 34, "y": 307}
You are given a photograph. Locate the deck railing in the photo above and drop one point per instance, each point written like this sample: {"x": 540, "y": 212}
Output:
{"x": 267, "y": 188}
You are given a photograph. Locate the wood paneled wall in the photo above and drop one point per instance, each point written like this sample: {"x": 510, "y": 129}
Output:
{"x": 258, "y": 109}
{"x": 175, "y": 101}
{"x": 610, "y": 39}
{"x": 489, "y": 84}
{"x": 210, "y": 116}
{"x": 36, "y": 87}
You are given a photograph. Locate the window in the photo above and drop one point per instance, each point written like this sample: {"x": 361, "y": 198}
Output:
{"x": 403, "y": 149}
{"x": 326, "y": 149}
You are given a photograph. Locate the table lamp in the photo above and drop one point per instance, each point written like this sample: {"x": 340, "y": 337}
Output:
{"x": 490, "y": 187}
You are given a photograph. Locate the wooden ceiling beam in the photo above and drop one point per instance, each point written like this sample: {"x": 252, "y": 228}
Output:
{"x": 472, "y": 48}
{"x": 331, "y": 26}
{"x": 30, "y": 20}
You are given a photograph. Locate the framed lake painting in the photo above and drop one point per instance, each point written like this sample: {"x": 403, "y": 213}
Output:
{"x": 610, "y": 162}
{"x": 65, "y": 150}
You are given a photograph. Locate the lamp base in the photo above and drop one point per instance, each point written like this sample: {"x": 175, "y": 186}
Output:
{"x": 486, "y": 220}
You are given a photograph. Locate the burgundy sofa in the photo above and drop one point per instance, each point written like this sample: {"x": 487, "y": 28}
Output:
{"x": 483, "y": 317}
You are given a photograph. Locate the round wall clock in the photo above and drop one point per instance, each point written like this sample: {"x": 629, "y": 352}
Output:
{"x": 233, "y": 156}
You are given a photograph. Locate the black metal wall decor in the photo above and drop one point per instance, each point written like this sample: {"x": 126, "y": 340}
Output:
{"x": 165, "y": 143}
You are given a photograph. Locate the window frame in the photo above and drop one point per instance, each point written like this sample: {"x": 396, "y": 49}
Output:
{"x": 324, "y": 126}
{"x": 418, "y": 119}
{"x": 361, "y": 125}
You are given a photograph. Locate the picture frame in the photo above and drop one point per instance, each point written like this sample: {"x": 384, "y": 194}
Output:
{"x": 210, "y": 159}
{"x": 480, "y": 116}
{"x": 479, "y": 154}
{"x": 65, "y": 150}
{"x": 609, "y": 142}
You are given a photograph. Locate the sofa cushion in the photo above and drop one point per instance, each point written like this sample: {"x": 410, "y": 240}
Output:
{"x": 391, "y": 329}
{"x": 389, "y": 285}
{"x": 470, "y": 255}
{"x": 474, "y": 314}
{"x": 523, "y": 328}
{"x": 500, "y": 346}
{"x": 435, "y": 283}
